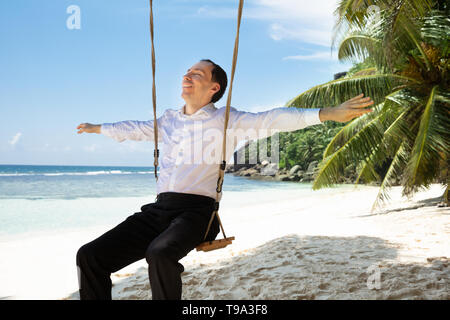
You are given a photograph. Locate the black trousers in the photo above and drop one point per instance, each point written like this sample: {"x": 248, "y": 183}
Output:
{"x": 162, "y": 233}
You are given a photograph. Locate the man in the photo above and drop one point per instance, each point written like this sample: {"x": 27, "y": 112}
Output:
{"x": 167, "y": 230}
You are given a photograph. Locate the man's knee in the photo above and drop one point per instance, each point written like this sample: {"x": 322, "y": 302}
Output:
{"x": 162, "y": 256}
{"x": 156, "y": 252}
{"x": 84, "y": 255}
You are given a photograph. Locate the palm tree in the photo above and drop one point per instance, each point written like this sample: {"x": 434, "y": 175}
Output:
{"x": 407, "y": 50}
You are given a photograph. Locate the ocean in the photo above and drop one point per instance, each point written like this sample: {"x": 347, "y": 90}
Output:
{"x": 40, "y": 199}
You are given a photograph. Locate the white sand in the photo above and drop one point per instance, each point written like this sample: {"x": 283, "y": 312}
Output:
{"x": 324, "y": 246}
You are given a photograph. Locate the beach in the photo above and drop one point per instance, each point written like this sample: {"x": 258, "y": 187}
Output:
{"x": 285, "y": 115}
{"x": 322, "y": 244}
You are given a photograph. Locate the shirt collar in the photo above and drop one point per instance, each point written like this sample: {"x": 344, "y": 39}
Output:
{"x": 204, "y": 111}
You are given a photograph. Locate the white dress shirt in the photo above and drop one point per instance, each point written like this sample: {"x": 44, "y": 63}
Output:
{"x": 192, "y": 144}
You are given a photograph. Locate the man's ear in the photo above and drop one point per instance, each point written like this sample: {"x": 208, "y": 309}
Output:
{"x": 215, "y": 88}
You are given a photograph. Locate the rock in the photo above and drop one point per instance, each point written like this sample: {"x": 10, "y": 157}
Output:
{"x": 312, "y": 165}
{"x": 283, "y": 177}
{"x": 239, "y": 167}
{"x": 307, "y": 177}
{"x": 348, "y": 170}
{"x": 270, "y": 169}
{"x": 248, "y": 172}
{"x": 264, "y": 163}
{"x": 229, "y": 168}
{"x": 294, "y": 169}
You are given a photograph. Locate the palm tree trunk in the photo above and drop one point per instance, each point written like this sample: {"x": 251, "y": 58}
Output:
{"x": 444, "y": 177}
{"x": 445, "y": 197}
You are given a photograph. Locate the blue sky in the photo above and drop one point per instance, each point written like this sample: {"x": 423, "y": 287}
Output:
{"x": 53, "y": 78}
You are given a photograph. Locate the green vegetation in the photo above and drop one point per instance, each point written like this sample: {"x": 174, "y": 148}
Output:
{"x": 401, "y": 57}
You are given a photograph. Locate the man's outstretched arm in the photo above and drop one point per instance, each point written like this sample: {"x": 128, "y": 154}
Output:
{"x": 123, "y": 130}
{"x": 347, "y": 111}
{"x": 290, "y": 119}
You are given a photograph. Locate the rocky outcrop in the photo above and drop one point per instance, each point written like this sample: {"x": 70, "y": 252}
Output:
{"x": 270, "y": 171}
{"x": 266, "y": 170}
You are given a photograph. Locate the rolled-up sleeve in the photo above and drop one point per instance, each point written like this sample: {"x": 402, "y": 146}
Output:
{"x": 278, "y": 119}
{"x": 131, "y": 130}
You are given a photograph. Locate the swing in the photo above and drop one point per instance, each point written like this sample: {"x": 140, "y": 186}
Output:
{"x": 220, "y": 243}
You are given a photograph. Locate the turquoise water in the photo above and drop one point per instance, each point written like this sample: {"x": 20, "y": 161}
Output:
{"x": 54, "y": 198}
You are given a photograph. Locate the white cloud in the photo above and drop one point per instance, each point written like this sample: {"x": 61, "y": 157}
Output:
{"x": 320, "y": 55}
{"x": 15, "y": 139}
{"x": 300, "y": 20}
{"x": 308, "y": 12}
{"x": 290, "y": 31}
{"x": 217, "y": 12}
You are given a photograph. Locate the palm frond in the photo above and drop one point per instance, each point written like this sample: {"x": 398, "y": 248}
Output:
{"x": 350, "y": 129}
{"x": 385, "y": 112}
{"x": 337, "y": 91}
{"x": 357, "y": 148}
{"x": 397, "y": 129}
{"x": 423, "y": 164}
{"x": 400, "y": 120}
{"x": 366, "y": 169}
{"x": 395, "y": 169}
{"x": 443, "y": 97}
{"x": 436, "y": 30}
{"x": 358, "y": 45}
{"x": 352, "y": 14}
{"x": 366, "y": 72}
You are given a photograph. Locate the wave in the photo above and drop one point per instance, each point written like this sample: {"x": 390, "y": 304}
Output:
{"x": 88, "y": 173}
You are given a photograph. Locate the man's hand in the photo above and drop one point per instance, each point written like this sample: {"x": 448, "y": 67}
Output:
{"x": 89, "y": 128}
{"x": 348, "y": 110}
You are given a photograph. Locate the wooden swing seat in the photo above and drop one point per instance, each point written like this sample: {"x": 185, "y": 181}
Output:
{"x": 214, "y": 244}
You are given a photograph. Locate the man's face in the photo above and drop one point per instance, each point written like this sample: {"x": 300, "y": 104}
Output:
{"x": 197, "y": 86}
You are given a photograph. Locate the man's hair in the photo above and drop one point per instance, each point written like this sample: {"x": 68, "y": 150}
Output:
{"x": 219, "y": 76}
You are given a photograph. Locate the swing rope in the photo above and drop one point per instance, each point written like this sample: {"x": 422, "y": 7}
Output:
{"x": 155, "y": 124}
{"x": 227, "y": 116}
{"x": 215, "y": 244}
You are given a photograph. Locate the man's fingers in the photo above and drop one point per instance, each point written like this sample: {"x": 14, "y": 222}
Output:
{"x": 361, "y": 104}
{"x": 357, "y": 97}
{"x": 81, "y": 127}
{"x": 361, "y": 100}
